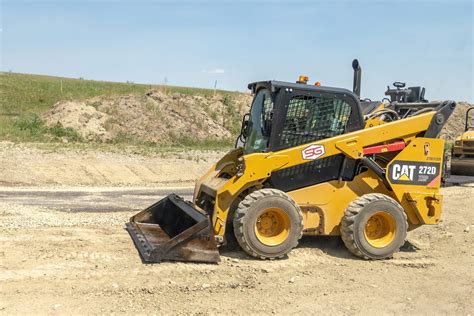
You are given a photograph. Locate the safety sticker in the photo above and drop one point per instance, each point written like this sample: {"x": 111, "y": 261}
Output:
{"x": 313, "y": 152}
{"x": 414, "y": 173}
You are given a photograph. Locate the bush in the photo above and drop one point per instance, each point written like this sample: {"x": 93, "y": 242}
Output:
{"x": 32, "y": 125}
{"x": 34, "y": 129}
{"x": 59, "y": 131}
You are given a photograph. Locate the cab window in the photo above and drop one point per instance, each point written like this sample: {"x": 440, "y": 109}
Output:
{"x": 311, "y": 118}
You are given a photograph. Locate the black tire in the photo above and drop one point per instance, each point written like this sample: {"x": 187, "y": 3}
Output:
{"x": 230, "y": 241}
{"x": 355, "y": 220}
{"x": 249, "y": 211}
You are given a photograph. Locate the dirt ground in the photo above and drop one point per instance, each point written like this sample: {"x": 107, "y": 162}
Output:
{"x": 28, "y": 165}
{"x": 59, "y": 262}
{"x": 58, "y": 259}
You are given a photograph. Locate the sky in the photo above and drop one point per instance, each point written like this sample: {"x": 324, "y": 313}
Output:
{"x": 195, "y": 43}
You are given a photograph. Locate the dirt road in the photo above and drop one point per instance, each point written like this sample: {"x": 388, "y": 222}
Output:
{"x": 54, "y": 261}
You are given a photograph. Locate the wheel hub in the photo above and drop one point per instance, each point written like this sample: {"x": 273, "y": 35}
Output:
{"x": 380, "y": 229}
{"x": 272, "y": 226}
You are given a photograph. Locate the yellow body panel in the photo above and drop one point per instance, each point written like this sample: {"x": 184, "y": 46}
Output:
{"x": 323, "y": 204}
{"x": 421, "y": 201}
{"x": 373, "y": 122}
{"x": 331, "y": 199}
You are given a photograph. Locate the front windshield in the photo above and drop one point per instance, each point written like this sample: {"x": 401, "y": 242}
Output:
{"x": 259, "y": 123}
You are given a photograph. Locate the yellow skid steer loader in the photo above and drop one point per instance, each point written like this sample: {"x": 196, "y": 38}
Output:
{"x": 310, "y": 160}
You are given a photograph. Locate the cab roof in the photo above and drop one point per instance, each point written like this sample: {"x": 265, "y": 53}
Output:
{"x": 274, "y": 85}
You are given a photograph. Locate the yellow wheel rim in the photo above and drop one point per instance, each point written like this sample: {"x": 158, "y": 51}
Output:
{"x": 272, "y": 226}
{"x": 380, "y": 230}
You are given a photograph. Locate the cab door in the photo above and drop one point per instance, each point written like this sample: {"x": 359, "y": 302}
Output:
{"x": 304, "y": 117}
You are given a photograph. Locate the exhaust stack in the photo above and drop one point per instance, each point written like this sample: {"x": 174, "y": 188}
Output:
{"x": 357, "y": 77}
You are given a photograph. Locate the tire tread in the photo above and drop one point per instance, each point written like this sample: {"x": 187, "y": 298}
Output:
{"x": 350, "y": 215}
{"x": 241, "y": 211}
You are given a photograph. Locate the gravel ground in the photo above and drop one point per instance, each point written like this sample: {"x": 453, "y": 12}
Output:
{"x": 64, "y": 262}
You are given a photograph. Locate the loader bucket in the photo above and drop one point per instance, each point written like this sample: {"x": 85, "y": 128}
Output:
{"x": 173, "y": 230}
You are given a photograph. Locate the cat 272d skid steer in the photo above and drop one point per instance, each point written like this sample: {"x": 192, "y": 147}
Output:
{"x": 310, "y": 160}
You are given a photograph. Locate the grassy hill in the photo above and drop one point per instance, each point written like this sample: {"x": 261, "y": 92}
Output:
{"x": 24, "y": 98}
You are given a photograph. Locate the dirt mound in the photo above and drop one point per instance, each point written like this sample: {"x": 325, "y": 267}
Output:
{"x": 163, "y": 118}
{"x": 81, "y": 117}
{"x": 155, "y": 117}
{"x": 456, "y": 122}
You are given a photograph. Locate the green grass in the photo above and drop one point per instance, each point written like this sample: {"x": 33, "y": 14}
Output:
{"x": 33, "y": 128}
{"x": 448, "y": 146}
{"x": 24, "y": 97}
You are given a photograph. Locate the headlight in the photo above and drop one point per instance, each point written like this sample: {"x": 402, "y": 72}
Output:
{"x": 240, "y": 166}
{"x": 458, "y": 143}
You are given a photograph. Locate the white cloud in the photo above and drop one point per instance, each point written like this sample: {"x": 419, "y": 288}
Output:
{"x": 216, "y": 71}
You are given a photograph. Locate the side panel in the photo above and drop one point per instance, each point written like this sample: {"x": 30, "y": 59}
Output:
{"x": 330, "y": 200}
{"x": 415, "y": 176}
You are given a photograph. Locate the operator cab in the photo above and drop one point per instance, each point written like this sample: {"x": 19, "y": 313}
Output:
{"x": 284, "y": 115}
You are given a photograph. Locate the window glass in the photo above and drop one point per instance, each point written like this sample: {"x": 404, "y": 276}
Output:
{"x": 260, "y": 123}
{"x": 312, "y": 118}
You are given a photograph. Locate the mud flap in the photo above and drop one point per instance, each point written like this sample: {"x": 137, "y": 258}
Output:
{"x": 173, "y": 230}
